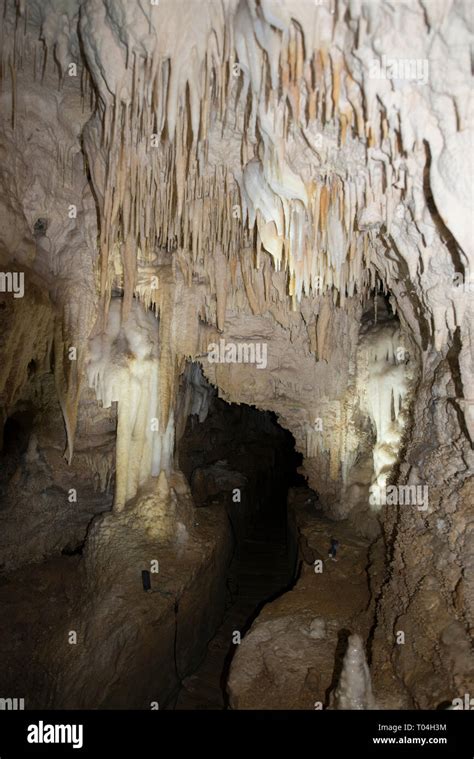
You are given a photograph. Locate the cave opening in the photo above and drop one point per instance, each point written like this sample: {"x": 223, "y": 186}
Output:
{"x": 241, "y": 460}
{"x": 14, "y": 442}
{"x": 16, "y": 433}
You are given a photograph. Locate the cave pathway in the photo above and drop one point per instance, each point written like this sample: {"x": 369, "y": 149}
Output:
{"x": 259, "y": 571}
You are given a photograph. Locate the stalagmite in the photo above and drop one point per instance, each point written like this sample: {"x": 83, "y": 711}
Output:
{"x": 354, "y": 690}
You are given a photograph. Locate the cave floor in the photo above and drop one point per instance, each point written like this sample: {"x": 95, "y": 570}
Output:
{"x": 260, "y": 577}
{"x": 36, "y": 598}
{"x": 33, "y": 599}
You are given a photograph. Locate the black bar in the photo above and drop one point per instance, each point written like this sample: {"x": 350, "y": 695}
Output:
{"x": 315, "y": 734}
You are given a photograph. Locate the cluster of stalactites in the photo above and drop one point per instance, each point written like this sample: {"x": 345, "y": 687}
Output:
{"x": 21, "y": 51}
{"x": 385, "y": 381}
{"x": 320, "y": 229}
{"x": 272, "y": 75}
{"x": 381, "y": 388}
{"x": 335, "y": 437}
{"x": 159, "y": 191}
{"x": 314, "y": 236}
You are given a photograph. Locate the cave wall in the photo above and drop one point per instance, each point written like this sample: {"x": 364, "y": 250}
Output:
{"x": 426, "y": 592}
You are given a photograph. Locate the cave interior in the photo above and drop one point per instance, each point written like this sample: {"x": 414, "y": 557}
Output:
{"x": 237, "y": 354}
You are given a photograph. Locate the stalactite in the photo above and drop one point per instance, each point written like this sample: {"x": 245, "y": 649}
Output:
{"x": 220, "y": 264}
{"x": 13, "y": 85}
{"x": 187, "y": 212}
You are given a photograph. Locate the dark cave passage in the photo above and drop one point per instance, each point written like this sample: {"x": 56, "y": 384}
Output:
{"x": 241, "y": 453}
